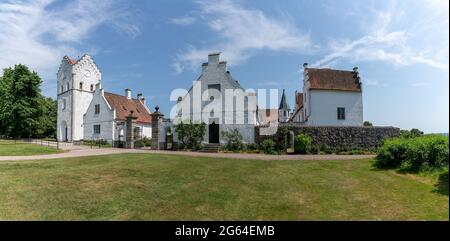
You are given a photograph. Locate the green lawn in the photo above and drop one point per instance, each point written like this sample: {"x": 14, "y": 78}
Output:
{"x": 8, "y": 148}
{"x": 167, "y": 187}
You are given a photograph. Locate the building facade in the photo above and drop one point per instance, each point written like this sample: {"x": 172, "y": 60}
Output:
{"x": 330, "y": 98}
{"x": 87, "y": 112}
{"x": 218, "y": 100}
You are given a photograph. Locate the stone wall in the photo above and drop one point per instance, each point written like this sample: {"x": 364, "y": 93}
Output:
{"x": 335, "y": 136}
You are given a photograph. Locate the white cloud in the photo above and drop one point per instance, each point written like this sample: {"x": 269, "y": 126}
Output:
{"x": 39, "y": 33}
{"x": 390, "y": 39}
{"x": 184, "y": 21}
{"x": 241, "y": 32}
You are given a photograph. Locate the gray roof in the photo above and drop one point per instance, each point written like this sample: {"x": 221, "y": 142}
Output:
{"x": 283, "y": 104}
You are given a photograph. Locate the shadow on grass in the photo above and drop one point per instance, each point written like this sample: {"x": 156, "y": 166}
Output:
{"x": 442, "y": 185}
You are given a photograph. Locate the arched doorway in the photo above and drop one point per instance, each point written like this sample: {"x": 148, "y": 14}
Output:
{"x": 64, "y": 131}
{"x": 213, "y": 132}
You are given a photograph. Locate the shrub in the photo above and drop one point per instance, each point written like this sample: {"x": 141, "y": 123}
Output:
{"x": 234, "y": 140}
{"x": 190, "y": 134}
{"x": 146, "y": 141}
{"x": 139, "y": 144}
{"x": 367, "y": 124}
{"x": 326, "y": 149}
{"x": 414, "y": 154}
{"x": 302, "y": 144}
{"x": 268, "y": 147}
{"x": 411, "y": 134}
{"x": 251, "y": 147}
{"x": 392, "y": 153}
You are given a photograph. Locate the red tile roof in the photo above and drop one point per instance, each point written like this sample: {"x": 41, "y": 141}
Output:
{"x": 124, "y": 106}
{"x": 330, "y": 79}
{"x": 72, "y": 61}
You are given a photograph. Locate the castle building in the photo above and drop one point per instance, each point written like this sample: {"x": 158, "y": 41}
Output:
{"x": 87, "y": 112}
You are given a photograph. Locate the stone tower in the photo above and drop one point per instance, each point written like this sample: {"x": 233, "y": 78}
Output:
{"x": 76, "y": 80}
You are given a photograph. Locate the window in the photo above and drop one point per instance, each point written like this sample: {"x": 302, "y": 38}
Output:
{"x": 63, "y": 104}
{"x": 92, "y": 87}
{"x": 96, "y": 129}
{"x": 214, "y": 86}
{"x": 341, "y": 113}
{"x": 68, "y": 87}
{"x": 81, "y": 85}
{"x": 137, "y": 133}
{"x": 97, "y": 109}
{"x": 62, "y": 88}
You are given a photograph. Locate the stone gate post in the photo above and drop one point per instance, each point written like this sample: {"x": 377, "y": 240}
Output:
{"x": 156, "y": 125}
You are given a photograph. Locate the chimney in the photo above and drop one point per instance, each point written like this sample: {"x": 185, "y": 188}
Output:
{"x": 98, "y": 86}
{"x": 141, "y": 98}
{"x": 213, "y": 58}
{"x": 356, "y": 75}
{"x": 128, "y": 93}
{"x": 204, "y": 66}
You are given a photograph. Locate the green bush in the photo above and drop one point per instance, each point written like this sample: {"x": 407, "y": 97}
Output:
{"x": 252, "y": 147}
{"x": 414, "y": 154}
{"x": 234, "y": 140}
{"x": 411, "y": 134}
{"x": 326, "y": 149}
{"x": 302, "y": 144}
{"x": 146, "y": 141}
{"x": 190, "y": 134}
{"x": 268, "y": 147}
{"x": 139, "y": 144}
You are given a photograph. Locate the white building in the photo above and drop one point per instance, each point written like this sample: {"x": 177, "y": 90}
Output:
{"x": 330, "y": 98}
{"x": 86, "y": 112}
{"x": 208, "y": 101}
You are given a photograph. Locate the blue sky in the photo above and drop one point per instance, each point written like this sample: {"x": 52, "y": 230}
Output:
{"x": 154, "y": 46}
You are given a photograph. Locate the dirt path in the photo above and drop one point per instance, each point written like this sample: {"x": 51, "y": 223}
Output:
{"x": 107, "y": 151}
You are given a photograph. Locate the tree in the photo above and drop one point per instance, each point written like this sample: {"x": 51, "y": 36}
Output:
{"x": 411, "y": 134}
{"x": 20, "y": 100}
{"x": 191, "y": 135}
{"x": 368, "y": 123}
{"x": 47, "y": 120}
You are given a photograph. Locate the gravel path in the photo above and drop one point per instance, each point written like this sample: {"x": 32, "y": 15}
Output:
{"x": 82, "y": 152}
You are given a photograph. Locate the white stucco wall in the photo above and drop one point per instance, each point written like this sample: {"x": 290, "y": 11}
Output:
{"x": 105, "y": 119}
{"x": 323, "y": 108}
{"x": 215, "y": 73}
{"x": 77, "y": 100}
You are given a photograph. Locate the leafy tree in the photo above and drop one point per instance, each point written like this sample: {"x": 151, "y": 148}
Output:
{"x": 20, "y": 101}
{"x": 234, "y": 140}
{"x": 411, "y": 134}
{"x": 368, "y": 123}
{"x": 47, "y": 121}
{"x": 190, "y": 134}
